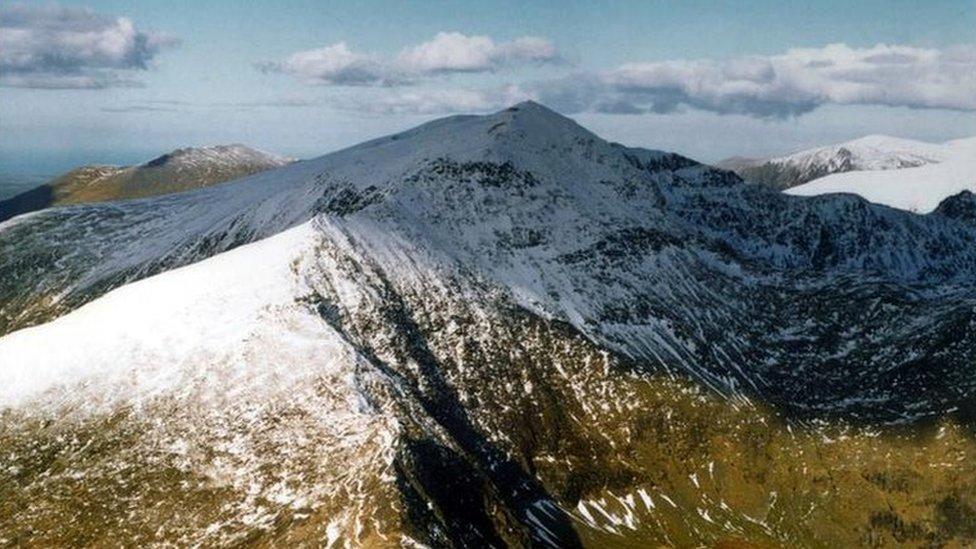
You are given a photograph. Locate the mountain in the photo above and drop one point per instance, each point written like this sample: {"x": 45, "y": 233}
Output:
{"x": 492, "y": 330}
{"x": 916, "y": 189}
{"x": 874, "y": 152}
{"x": 178, "y": 171}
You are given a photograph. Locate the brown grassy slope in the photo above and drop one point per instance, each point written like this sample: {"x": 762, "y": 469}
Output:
{"x": 163, "y": 175}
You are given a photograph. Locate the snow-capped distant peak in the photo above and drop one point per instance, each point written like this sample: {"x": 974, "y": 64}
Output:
{"x": 918, "y": 187}
{"x": 872, "y": 152}
{"x": 868, "y": 153}
{"x": 220, "y": 155}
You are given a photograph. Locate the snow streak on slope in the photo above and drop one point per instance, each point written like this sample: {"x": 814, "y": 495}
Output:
{"x": 917, "y": 189}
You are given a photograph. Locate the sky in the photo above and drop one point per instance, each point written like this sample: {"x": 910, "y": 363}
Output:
{"x": 108, "y": 81}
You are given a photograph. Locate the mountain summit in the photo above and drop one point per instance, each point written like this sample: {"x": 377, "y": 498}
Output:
{"x": 494, "y": 331}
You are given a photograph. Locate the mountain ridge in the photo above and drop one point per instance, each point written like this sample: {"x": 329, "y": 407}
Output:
{"x": 871, "y": 152}
{"x": 180, "y": 170}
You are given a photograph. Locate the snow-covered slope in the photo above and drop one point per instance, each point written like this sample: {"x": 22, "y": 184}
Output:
{"x": 361, "y": 364}
{"x": 914, "y": 187}
{"x": 148, "y": 329}
{"x": 217, "y": 156}
{"x": 873, "y": 152}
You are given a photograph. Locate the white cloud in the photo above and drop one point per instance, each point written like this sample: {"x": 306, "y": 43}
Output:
{"x": 336, "y": 65}
{"x": 456, "y": 52}
{"x": 61, "y": 47}
{"x": 435, "y": 101}
{"x": 772, "y": 86}
{"x": 799, "y": 81}
{"x": 448, "y": 52}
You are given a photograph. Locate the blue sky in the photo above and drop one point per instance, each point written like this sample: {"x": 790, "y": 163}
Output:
{"x": 222, "y": 71}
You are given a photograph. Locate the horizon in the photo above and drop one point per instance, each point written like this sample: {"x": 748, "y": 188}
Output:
{"x": 308, "y": 80}
{"x": 58, "y": 163}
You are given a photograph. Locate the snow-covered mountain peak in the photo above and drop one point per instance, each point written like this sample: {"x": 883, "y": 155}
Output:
{"x": 526, "y": 121}
{"x": 528, "y": 136}
{"x": 541, "y": 121}
{"x": 234, "y": 154}
{"x": 565, "y": 223}
{"x": 872, "y": 152}
{"x": 917, "y": 187}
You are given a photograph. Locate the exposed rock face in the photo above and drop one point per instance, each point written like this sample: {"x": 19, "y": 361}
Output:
{"x": 489, "y": 331}
{"x": 960, "y": 206}
{"x": 178, "y": 171}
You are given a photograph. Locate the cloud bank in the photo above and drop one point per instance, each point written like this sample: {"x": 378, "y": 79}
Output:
{"x": 335, "y": 65}
{"x": 795, "y": 82}
{"x": 446, "y": 53}
{"x": 455, "y": 52}
{"x": 63, "y": 47}
{"x": 778, "y": 86}
{"x": 434, "y": 101}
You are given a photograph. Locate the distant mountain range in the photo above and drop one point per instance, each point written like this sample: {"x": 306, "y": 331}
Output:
{"x": 901, "y": 173}
{"x": 178, "y": 171}
{"x": 489, "y": 331}
{"x": 917, "y": 188}
{"x": 874, "y": 152}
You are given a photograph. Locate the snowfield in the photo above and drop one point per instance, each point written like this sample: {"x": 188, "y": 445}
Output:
{"x": 145, "y": 333}
{"x": 917, "y": 189}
